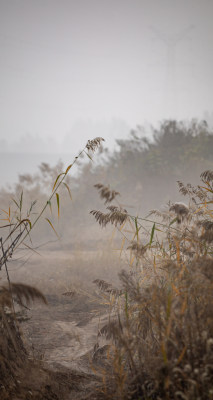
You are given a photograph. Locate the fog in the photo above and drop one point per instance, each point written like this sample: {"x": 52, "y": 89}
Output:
{"x": 72, "y": 71}
{"x": 69, "y": 66}
{"x": 106, "y": 131}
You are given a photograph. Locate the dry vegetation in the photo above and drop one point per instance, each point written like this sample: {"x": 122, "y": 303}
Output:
{"x": 162, "y": 342}
{"x": 156, "y": 282}
{"x": 15, "y": 362}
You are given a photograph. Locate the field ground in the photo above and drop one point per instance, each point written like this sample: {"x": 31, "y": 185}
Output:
{"x": 63, "y": 335}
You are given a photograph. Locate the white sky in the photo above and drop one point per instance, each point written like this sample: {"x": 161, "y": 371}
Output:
{"x": 68, "y": 67}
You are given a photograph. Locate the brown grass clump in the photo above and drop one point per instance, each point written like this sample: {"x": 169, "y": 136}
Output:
{"x": 105, "y": 193}
{"x": 23, "y": 295}
{"x": 116, "y": 216}
{"x": 162, "y": 344}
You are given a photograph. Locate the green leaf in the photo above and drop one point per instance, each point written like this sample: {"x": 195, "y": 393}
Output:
{"x": 50, "y": 205}
{"x": 47, "y": 219}
{"x": 69, "y": 191}
{"x": 15, "y": 202}
{"x": 68, "y": 168}
{"x": 57, "y": 198}
{"x": 152, "y": 234}
{"x": 29, "y": 222}
{"x": 21, "y": 201}
{"x": 136, "y": 227}
{"x": 63, "y": 173}
{"x": 169, "y": 306}
{"x": 32, "y": 205}
{"x": 173, "y": 221}
{"x": 159, "y": 230}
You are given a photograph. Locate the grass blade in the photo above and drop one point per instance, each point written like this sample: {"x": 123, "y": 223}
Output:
{"x": 15, "y": 202}
{"x": 68, "y": 168}
{"x": 69, "y": 191}
{"x": 47, "y": 219}
{"x": 57, "y": 180}
{"x": 88, "y": 156}
{"x": 173, "y": 221}
{"x": 50, "y": 205}
{"x": 21, "y": 201}
{"x": 152, "y": 234}
{"x": 57, "y": 198}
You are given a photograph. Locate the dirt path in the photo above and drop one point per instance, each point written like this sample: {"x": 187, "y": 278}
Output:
{"x": 65, "y": 332}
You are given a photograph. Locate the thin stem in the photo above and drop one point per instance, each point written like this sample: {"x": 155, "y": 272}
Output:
{"x": 49, "y": 199}
{"x": 154, "y": 222}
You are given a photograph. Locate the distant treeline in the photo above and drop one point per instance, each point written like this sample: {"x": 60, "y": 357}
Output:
{"x": 145, "y": 172}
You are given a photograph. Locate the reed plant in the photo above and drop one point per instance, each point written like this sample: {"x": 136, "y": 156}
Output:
{"x": 162, "y": 337}
{"x": 17, "y": 223}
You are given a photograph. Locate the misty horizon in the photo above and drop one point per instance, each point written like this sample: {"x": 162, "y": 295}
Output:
{"x": 63, "y": 62}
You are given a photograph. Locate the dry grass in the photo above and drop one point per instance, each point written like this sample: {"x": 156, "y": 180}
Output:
{"x": 162, "y": 343}
{"x": 161, "y": 321}
{"x": 17, "y": 223}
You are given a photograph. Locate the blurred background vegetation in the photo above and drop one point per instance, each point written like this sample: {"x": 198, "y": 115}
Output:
{"x": 145, "y": 172}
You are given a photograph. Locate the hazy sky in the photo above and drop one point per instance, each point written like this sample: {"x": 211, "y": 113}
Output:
{"x": 64, "y": 62}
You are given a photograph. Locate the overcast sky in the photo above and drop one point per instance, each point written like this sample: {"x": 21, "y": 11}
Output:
{"x": 68, "y": 66}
